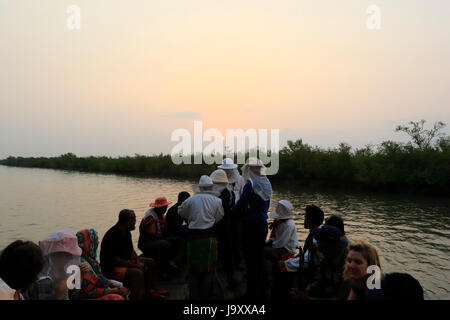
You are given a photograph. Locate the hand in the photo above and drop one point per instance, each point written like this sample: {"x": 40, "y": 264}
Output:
{"x": 115, "y": 290}
{"x": 123, "y": 291}
{"x": 84, "y": 268}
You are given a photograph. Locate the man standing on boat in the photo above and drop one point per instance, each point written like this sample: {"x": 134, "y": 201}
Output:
{"x": 236, "y": 184}
{"x": 202, "y": 211}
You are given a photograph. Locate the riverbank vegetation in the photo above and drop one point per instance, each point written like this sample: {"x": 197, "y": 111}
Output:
{"x": 421, "y": 165}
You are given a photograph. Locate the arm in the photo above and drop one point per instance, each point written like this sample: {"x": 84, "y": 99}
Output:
{"x": 118, "y": 262}
{"x": 183, "y": 210}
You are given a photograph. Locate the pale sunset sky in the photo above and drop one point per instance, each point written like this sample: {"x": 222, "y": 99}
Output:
{"x": 137, "y": 70}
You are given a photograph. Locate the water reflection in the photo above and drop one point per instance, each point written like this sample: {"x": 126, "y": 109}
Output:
{"x": 410, "y": 232}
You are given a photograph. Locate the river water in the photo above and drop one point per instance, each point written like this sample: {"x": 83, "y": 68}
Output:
{"x": 411, "y": 232}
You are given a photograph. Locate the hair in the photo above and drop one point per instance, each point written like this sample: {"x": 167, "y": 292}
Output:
{"x": 401, "y": 286}
{"x": 20, "y": 263}
{"x": 368, "y": 251}
{"x": 124, "y": 216}
{"x": 315, "y": 214}
{"x": 183, "y": 195}
{"x": 335, "y": 221}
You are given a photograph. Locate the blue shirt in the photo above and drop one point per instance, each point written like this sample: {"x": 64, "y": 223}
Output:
{"x": 254, "y": 207}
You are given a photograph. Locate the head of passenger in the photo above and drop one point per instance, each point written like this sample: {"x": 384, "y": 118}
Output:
{"x": 313, "y": 217}
{"x": 20, "y": 264}
{"x": 335, "y": 221}
{"x": 329, "y": 241}
{"x": 182, "y": 196}
{"x": 360, "y": 256}
{"x": 127, "y": 219}
{"x": 88, "y": 242}
{"x": 401, "y": 286}
{"x": 160, "y": 206}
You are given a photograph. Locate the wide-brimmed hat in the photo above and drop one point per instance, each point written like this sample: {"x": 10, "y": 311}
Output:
{"x": 219, "y": 176}
{"x": 330, "y": 236}
{"x": 206, "y": 185}
{"x": 227, "y": 163}
{"x": 254, "y": 162}
{"x": 61, "y": 241}
{"x": 282, "y": 210}
{"x": 160, "y": 202}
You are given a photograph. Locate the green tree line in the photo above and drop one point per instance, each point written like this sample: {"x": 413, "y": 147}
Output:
{"x": 421, "y": 165}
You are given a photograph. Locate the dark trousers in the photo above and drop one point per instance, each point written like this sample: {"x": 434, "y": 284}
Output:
{"x": 236, "y": 240}
{"x": 254, "y": 237}
{"x": 164, "y": 250}
{"x": 225, "y": 249}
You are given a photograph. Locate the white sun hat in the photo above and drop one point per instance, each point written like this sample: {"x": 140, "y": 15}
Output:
{"x": 227, "y": 164}
{"x": 206, "y": 185}
{"x": 282, "y": 210}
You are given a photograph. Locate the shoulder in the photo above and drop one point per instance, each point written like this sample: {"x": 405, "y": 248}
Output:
{"x": 291, "y": 224}
{"x": 110, "y": 233}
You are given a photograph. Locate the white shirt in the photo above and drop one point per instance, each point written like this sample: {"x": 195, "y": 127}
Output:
{"x": 6, "y": 293}
{"x": 286, "y": 236}
{"x": 293, "y": 264}
{"x": 202, "y": 210}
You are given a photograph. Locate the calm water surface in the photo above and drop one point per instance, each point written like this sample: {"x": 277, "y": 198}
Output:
{"x": 410, "y": 232}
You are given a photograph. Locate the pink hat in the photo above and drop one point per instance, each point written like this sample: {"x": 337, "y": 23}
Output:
{"x": 61, "y": 241}
{"x": 160, "y": 202}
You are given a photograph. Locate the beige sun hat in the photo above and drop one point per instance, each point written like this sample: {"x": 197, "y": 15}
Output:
{"x": 219, "y": 176}
{"x": 254, "y": 162}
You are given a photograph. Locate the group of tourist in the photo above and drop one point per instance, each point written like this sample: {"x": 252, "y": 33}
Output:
{"x": 221, "y": 228}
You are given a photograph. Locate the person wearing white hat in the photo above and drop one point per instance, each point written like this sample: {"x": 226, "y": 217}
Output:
{"x": 235, "y": 180}
{"x": 202, "y": 211}
{"x": 224, "y": 227}
{"x": 283, "y": 239}
{"x": 236, "y": 184}
{"x": 253, "y": 206}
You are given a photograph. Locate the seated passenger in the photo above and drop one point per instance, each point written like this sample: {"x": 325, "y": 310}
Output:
{"x": 94, "y": 285}
{"x": 20, "y": 264}
{"x": 328, "y": 282}
{"x": 361, "y": 255}
{"x": 153, "y": 241}
{"x": 119, "y": 261}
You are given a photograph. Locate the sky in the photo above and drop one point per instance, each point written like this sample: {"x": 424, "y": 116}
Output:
{"x": 137, "y": 70}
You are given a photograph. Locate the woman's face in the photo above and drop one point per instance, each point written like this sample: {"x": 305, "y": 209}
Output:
{"x": 356, "y": 265}
{"x": 61, "y": 259}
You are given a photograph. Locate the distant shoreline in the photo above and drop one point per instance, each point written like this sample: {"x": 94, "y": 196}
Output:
{"x": 415, "y": 171}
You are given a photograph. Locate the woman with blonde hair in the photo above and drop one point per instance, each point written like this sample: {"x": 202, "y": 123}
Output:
{"x": 361, "y": 255}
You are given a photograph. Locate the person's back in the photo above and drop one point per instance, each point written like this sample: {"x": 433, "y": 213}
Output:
{"x": 401, "y": 286}
{"x": 286, "y": 236}
{"x": 114, "y": 243}
{"x": 328, "y": 281}
{"x": 174, "y": 222}
{"x": 20, "y": 263}
{"x": 202, "y": 210}
{"x": 251, "y": 204}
